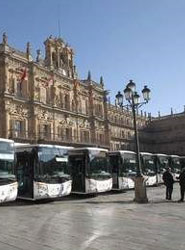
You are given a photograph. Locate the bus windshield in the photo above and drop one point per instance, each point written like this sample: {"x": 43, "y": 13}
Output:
{"x": 129, "y": 167}
{"x": 53, "y": 165}
{"x": 7, "y": 168}
{"x": 6, "y": 147}
{"x": 148, "y": 165}
{"x": 98, "y": 165}
{"x": 162, "y": 163}
{"x": 176, "y": 166}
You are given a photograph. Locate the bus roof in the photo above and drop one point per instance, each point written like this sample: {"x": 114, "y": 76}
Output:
{"x": 41, "y": 145}
{"x": 17, "y": 144}
{"x": 6, "y": 140}
{"x": 145, "y": 153}
{"x": 121, "y": 152}
{"x": 174, "y": 156}
{"x": 89, "y": 149}
{"x": 160, "y": 154}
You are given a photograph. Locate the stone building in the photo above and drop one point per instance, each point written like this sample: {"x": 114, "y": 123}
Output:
{"x": 121, "y": 128}
{"x": 44, "y": 101}
{"x": 165, "y": 134}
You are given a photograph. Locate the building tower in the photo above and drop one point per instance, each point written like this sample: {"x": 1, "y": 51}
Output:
{"x": 59, "y": 56}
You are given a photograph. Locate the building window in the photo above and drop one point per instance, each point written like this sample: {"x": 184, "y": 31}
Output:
{"x": 18, "y": 89}
{"x": 73, "y": 105}
{"x": 79, "y": 106}
{"x": 17, "y": 128}
{"x": 84, "y": 136}
{"x": 68, "y": 133}
{"x": 46, "y": 131}
{"x": 122, "y": 134}
{"x": 67, "y": 102}
{"x": 21, "y": 88}
{"x": 48, "y": 96}
{"x": 60, "y": 132}
{"x": 12, "y": 85}
{"x": 61, "y": 100}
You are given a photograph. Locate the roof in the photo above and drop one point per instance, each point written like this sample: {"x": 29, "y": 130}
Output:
{"x": 174, "y": 156}
{"x": 90, "y": 149}
{"x": 160, "y": 154}
{"x": 122, "y": 152}
{"x": 6, "y": 140}
{"x": 41, "y": 145}
{"x": 146, "y": 153}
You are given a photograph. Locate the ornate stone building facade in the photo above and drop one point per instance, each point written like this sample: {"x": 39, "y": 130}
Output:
{"x": 165, "y": 134}
{"x": 44, "y": 101}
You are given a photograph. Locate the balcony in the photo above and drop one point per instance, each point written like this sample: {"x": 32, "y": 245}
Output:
{"x": 49, "y": 138}
{"x": 18, "y": 136}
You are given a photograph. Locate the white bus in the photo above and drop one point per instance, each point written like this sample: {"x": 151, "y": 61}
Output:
{"x": 175, "y": 165}
{"x": 161, "y": 162}
{"x": 8, "y": 182}
{"x": 90, "y": 170}
{"x": 149, "y": 168}
{"x": 43, "y": 171}
{"x": 182, "y": 161}
{"x": 124, "y": 168}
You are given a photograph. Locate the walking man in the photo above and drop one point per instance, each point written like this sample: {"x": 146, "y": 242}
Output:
{"x": 168, "y": 182}
{"x": 182, "y": 184}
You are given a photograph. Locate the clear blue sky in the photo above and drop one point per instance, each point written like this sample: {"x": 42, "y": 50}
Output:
{"x": 143, "y": 40}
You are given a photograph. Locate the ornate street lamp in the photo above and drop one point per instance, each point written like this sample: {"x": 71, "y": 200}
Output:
{"x": 119, "y": 99}
{"x": 134, "y": 103}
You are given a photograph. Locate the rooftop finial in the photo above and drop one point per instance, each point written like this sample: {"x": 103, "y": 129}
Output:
{"x": 101, "y": 81}
{"x": 28, "y": 49}
{"x": 38, "y": 55}
{"x": 5, "y": 38}
{"x": 89, "y": 76}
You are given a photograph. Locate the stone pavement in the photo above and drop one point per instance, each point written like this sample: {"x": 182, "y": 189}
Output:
{"x": 106, "y": 222}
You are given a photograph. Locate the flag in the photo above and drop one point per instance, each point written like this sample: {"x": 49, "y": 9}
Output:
{"x": 46, "y": 81}
{"x": 76, "y": 83}
{"x": 51, "y": 80}
{"x": 23, "y": 77}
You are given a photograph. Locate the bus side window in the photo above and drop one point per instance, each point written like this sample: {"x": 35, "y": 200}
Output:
{"x": 114, "y": 162}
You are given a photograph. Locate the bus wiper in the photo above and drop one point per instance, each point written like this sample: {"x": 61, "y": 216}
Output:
{"x": 4, "y": 179}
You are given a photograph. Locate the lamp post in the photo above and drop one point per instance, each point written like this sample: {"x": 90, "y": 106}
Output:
{"x": 134, "y": 103}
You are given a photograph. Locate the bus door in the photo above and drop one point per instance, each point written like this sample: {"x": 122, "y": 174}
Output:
{"x": 115, "y": 165}
{"x": 77, "y": 163}
{"x": 25, "y": 174}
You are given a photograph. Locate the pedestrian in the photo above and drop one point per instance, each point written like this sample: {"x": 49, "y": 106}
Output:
{"x": 168, "y": 182}
{"x": 182, "y": 184}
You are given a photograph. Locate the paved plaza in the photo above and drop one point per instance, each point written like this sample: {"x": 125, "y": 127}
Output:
{"x": 105, "y": 222}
